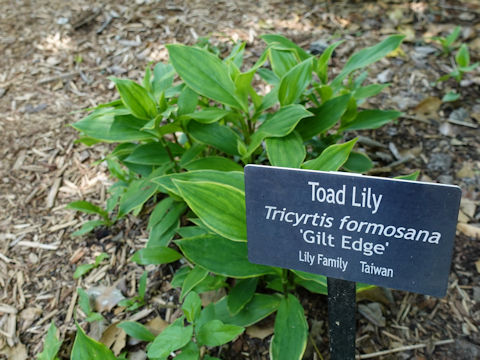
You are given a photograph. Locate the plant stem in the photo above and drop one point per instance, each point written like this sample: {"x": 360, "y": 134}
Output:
{"x": 285, "y": 281}
{"x": 170, "y": 155}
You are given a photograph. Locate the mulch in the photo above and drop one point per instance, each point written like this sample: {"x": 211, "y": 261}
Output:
{"x": 56, "y": 59}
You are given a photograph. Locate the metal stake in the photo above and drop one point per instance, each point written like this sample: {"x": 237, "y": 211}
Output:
{"x": 341, "y": 318}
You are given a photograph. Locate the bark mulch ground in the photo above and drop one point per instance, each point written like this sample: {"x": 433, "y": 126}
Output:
{"x": 56, "y": 57}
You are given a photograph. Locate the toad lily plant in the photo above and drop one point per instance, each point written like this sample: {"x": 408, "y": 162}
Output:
{"x": 182, "y": 138}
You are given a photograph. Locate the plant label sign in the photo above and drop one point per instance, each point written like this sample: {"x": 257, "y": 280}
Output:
{"x": 379, "y": 231}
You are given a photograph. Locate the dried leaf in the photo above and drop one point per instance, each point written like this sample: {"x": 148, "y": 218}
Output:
{"x": 428, "y": 107}
{"x": 114, "y": 338}
{"x": 19, "y": 352}
{"x": 156, "y": 325}
{"x": 373, "y": 313}
{"x": 258, "y": 332}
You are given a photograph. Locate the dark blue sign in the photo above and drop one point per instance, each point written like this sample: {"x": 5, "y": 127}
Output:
{"x": 387, "y": 232}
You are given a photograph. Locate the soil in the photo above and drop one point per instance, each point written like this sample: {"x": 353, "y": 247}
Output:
{"x": 56, "y": 59}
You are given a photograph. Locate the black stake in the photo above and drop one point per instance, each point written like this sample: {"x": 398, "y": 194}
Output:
{"x": 341, "y": 319}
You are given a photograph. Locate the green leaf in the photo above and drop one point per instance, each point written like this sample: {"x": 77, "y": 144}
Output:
{"x": 216, "y": 333}
{"x": 319, "y": 279}
{"x": 450, "y": 39}
{"x": 142, "y": 285}
{"x": 371, "y": 119}
{"x": 369, "y": 90}
{"x": 275, "y": 38}
{"x": 279, "y": 124}
{"x": 174, "y": 337}
{"x": 51, "y": 345}
{"x": 291, "y": 331}
{"x": 163, "y": 75}
{"x": 187, "y": 101}
{"x": 156, "y": 255}
{"x": 138, "y": 192}
{"x": 463, "y": 57}
{"x": 85, "y": 347}
{"x": 413, "y": 176}
{"x": 287, "y": 151}
{"x": 149, "y": 154}
{"x": 191, "y": 231}
{"x": 179, "y": 276}
{"x": 192, "y": 306}
{"x": 220, "y": 136}
{"x": 146, "y": 82}
{"x": 112, "y": 125}
{"x": 451, "y": 96}
{"x": 189, "y": 352}
{"x": 82, "y": 270}
{"x": 213, "y": 163}
{"x": 311, "y": 286}
{"x": 358, "y": 162}
{"x": 87, "y": 207}
{"x": 165, "y": 228}
{"x": 221, "y": 256}
{"x": 368, "y": 56}
{"x": 207, "y": 75}
{"x": 269, "y": 76}
{"x": 192, "y": 153}
{"x": 332, "y": 158}
{"x": 160, "y": 211}
{"x": 136, "y": 330}
{"x": 282, "y": 61}
{"x": 93, "y": 316}
{"x": 88, "y": 226}
{"x": 208, "y": 115}
{"x": 84, "y": 301}
{"x": 241, "y": 294}
{"x": 136, "y": 99}
{"x": 322, "y": 64}
{"x": 211, "y": 283}
{"x": 324, "y": 118}
{"x": 220, "y": 207}
{"x": 193, "y": 278}
{"x": 294, "y": 82}
{"x": 232, "y": 178}
{"x": 161, "y": 236}
{"x": 258, "y": 308}
{"x": 243, "y": 88}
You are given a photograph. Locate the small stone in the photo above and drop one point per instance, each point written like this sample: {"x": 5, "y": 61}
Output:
{"x": 459, "y": 114}
{"x": 476, "y": 294}
{"x": 446, "y": 129}
{"x": 440, "y": 162}
{"x": 466, "y": 350}
{"x": 385, "y": 76}
{"x": 318, "y": 47}
{"x": 33, "y": 258}
{"x": 445, "y": 179}
{"x": 62, "y": 21}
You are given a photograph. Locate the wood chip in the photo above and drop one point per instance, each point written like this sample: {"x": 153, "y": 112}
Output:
{"x": 7, "y": 309}
{"x": 38, "y": 245}
{"x": 469, "y": 230}
{"x": 52, "y": 195}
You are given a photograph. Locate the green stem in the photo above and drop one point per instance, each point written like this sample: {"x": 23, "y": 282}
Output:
{"x": 285, "y": 281}
{"x": 170, "y": 155}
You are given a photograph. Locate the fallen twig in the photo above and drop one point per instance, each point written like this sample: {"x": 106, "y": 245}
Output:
{"x": 403, "y": 348}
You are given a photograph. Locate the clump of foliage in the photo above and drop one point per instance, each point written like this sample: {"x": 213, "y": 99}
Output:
{"x": 448, "y": 42}
{"x": 183, "y": 137}
{"x": 462, "y": 65}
